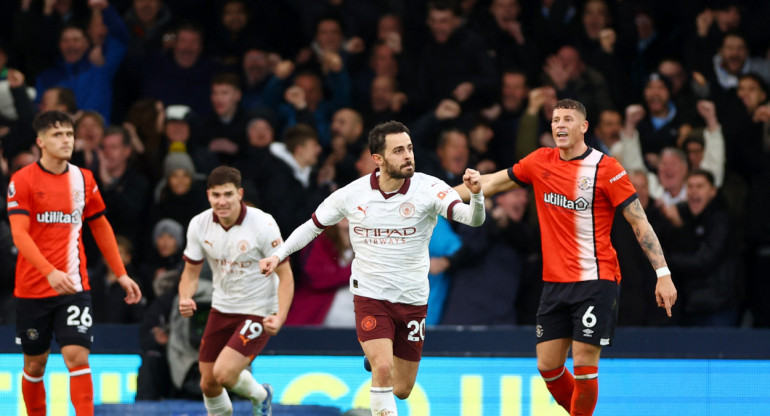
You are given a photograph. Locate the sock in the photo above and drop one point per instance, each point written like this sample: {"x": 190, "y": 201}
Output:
{"x": 33, "y": 390}
{"x": 586, "y": 390}
{"x": 219, "y": 405}
{"x": 82, "y": 390}
{"x": 247, "y": 386}
{"x": 382, "y": 401}
{"x": 561, "y": 384}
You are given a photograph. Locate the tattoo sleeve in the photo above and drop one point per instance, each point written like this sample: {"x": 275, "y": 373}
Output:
{"x": 645, "y": 235}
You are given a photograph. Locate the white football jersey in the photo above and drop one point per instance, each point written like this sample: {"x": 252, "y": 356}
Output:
{"x": 234, "y": 254}
{"x": 390, "y": 233}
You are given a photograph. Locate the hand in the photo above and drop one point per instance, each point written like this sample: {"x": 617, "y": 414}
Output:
{"x": 272, "y": 324}
{"x": 761, "y": 114}
{"x": 326, "y": 174}
{"x": 607, "y": 39}
{"x": 98, "y": 4}
{"x": 557, "y": 71}
{"x": 514, "y": 29}
{"x": 160, "y": 335}
{"x": 61, "y": 283}
{"x": 708, "y": 111}
{"x": 133, "y": 293}
{"x": 634, "y": 114}
{"x": 283, "y": 69}
{"x": 703, "y": 22}
{"x": 136, "y": 142}
{"x": 295, "y": 96}
{"x": 492, "y": 113}
{"x": 463, "y": 91}
{"x": 438, "y": 265}
{"x": 104, "y": 174}
{"x": 536, "y": 100}
{"x": 393, "y": 40}
{"x": 268, "y": 265}
{"x": 472, "y": 180}
{"x": 398, "y": 101}
{"x": 331, "y": 62}
{"x": 223, "y": 145}
{"x": 96, "y": 57}
{"x": 355, "y": 45}
{"x": 15, "y": 78}
{"x": 672, "y": 214}
{"x": 447, "y": 109}
{"x": 665, "y": 293}
{"x": 187, "y": 307}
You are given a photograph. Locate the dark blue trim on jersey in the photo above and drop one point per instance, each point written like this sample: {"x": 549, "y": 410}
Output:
{"x": 583, "y": 156}
{"x": 515, "y": 179}
{"x": 593, "y": 213}
{"x": 97, "y": 215}
{"x": 191, "y": 261}
{"x": 628, "y": 201}
{"x": 66, "y": 169}
{"x": 18, "y": 211}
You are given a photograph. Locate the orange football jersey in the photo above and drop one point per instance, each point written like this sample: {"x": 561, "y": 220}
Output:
{"x": 57, "y": 206}
{"x": 576, "y": 201}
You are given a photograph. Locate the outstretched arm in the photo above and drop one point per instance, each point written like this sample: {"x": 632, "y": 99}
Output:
{"x": 665, "y": 292}
{"x": 299, "y": 238}
{"x": 473, "y": 214}
{"x": 491, "y": 184}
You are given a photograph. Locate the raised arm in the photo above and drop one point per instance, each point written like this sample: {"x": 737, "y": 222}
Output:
{"x": 491, "y": 184}
{"x": 665, "y": 292}
{"x": 473, "y": 214}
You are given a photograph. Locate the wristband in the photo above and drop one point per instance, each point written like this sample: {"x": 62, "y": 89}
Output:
{"x": 663, "y": 271}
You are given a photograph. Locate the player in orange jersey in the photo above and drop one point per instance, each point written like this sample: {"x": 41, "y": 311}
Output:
{"x": 577, "y": 190}
{"x": 48, "y": 202}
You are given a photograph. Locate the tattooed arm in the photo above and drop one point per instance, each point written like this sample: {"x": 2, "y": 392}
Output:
{"x": 665, "y": 292}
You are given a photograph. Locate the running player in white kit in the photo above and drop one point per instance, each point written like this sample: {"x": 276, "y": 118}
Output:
{"x": 392, "y": 213}
{"x": 247, "y": 306}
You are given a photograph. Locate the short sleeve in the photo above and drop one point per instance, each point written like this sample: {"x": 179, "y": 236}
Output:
{"x": 193, "y": 252}
{"x": 94, "y": 203}
{"x": 270, "y": 236}
{"x": 18, "y": 196}
{"x": 444, "y": 198}
{"x": 614, "y": 179}
{"x": 521, "y": 172}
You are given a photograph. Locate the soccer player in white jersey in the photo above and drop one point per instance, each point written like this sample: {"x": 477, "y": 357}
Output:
{"x": 247, "y": 306}
{"x": 391, "y": 213}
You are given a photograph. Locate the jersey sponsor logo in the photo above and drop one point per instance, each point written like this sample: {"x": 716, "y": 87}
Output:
{"x": 406, "y": 210}
{"x": 11, "y": 190}
{"x": 441, "y": 195}
{"x": 362, "y": 209}
{"x": 368, "y": 323}
{"x": 59, "y": 217}
{"x": 233, "y": 266}
{"x": 584, "y": 183}
{"x": 618, "y": 176}
{"x": 77, "y": 196}
{"x": 379, "y": 236}
{"x": 562, "y": 201}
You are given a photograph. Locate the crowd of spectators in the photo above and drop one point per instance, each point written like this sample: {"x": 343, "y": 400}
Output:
{"x": 163, "y": 91}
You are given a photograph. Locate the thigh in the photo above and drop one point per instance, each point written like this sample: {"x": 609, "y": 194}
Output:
{"x": 409, "y": 336}
{"x": 34, "y": 324}
{"x": 242, "y": 333}
{"x": 73, "y": 321}
{"x": 373, "y": 320}
{"x": 595, "y": 311}
{"x": 554, "y": 317}
{"x": 553, "y": 353}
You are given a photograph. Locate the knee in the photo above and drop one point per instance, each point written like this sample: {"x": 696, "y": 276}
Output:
{"x": 383, "y": 368}
{"x": 210, "y": 387}
{"x": 35, "y": 368}
{"x": 225, "y": 378}
{"x": 403, "y": 391}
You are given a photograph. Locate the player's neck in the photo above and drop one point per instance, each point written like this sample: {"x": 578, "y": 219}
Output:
{"x": 52, "y": 164}
{"x": 388, "y": 183}
{"x": 574, "y": 151}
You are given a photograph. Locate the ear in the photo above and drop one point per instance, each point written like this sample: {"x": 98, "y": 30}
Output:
{"x": 377, "y": 159}
{"x": 584, "y": 127}
{"x": 240, "y": 194}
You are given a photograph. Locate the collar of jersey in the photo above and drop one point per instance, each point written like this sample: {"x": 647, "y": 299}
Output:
{"x": 239, "y": 221}
{"x": 376, "y": 185}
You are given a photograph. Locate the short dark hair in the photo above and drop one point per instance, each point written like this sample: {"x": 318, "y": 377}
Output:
{"x": 297, "y": 135}
{"x": 704, "y": 173}
{"x": 379, "y": 132}
{"x": 66, "y": 97}
{"x": 445, "y": 5}
{"x": 570, "y": 104}
{"x": 50, "y": 119}
{"x": 223, "y": 175}
{"x": 227, "y": 78}
{"x": 125, "y": 137}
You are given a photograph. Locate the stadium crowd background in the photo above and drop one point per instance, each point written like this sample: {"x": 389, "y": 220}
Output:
{"x": 286, "y": 90}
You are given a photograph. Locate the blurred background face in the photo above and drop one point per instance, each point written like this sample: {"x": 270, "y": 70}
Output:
{"x": 675, "y": 72}
{"x": 609, "y": 126}
{"x": 694, "y": 152}
{"x": 347, "y": 124}
{"x": 595, "y": 17}
{"x": 260, "y": 133}
{"x": 382, "y": 92}
{"x": 90, "y": 130}
{"x": 329, "y": 35}
{"x": 639, "y": 180}
{"x": 671, "y": 171}
{"x": 645, "y": 26}
{"x": 73, "y": 44}
{"x": 187, "y": 48}
{"x": 383, "y": 61}
{"x": 441, "y": 23}
{"x": 234, "y": 16}
{"x": 751, "y": 93}
{"x": 177, "y": 131}
{"x": 388, "y": 24}
{"x": 179, "y": 182}
{"x": 505, "y": 12}
{"x": 734, "y": 54}
{"x": 225, "y": 99}
{"x": 166, "y": 245}
{"x": 570, "y": 58}
{"x": 513, "y": 203}
{"x": 312, "y": 87}
{"x": 514, "y": 91}
{"x": 255, "y": 64}
{"x": 453, "y": 154}
{"x": 147, "y": 10}
{"x": 115, "y": 153}
{"x": 699, "y": 193}
{"x": 656, "y": 96}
